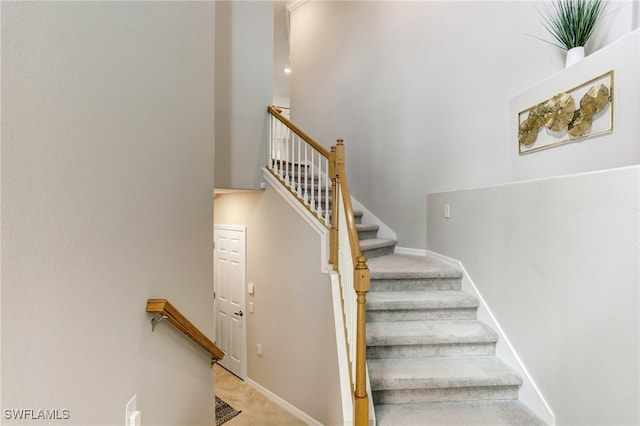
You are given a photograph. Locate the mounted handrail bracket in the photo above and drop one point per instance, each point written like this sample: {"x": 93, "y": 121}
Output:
{"x": 154, "y": 321}
{"x": 167, "y": 311}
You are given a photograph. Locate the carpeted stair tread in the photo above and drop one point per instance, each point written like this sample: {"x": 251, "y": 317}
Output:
{"x": 385, "y": 300}
{"x": 397, "y": 266}
{"x": 429, "y": 332}
{"x": 367, "y": 227}
{"x": 457, "y": 413}
{"x": 441, "y": 372}
{"x": 374, "y": 243}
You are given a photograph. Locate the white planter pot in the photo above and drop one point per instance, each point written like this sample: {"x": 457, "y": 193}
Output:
{"x": 574, "y": 55}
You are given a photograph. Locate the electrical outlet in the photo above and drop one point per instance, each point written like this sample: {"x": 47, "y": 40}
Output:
{"x": 259, "y": 349}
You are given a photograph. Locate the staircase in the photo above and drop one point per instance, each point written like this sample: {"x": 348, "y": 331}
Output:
{"x": 430, "y": 361}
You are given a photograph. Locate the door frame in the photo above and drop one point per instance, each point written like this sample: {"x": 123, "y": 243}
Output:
{"x": 243, "y": 333}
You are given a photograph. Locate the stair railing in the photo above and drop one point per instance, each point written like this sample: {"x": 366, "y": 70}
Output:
{"x": 354, "y": 274}
{"x": 301, "y": 164}
{"x": 318, "y": 179}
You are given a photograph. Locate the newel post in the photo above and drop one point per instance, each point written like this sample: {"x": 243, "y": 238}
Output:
{"x": 362, "y": 283}
{"x": 333, "y": 233}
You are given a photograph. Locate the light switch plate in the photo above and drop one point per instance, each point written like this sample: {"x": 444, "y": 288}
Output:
{"x": 135, "y": 420}
{"x": 251, "y": 288}
{"x": 130, "y": 409}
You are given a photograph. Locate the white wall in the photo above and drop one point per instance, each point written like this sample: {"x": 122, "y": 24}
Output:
{"x": 557, "y": 262}
{"x": 244, "y": 86}
{"x": 423, "y": 94}
{"x": 420, "y": 92}
{"x": 280, "y": 53}
{"x": 107, "y": 180}
{"x": 621, "y": 147}
{"x": 293, "y": 319}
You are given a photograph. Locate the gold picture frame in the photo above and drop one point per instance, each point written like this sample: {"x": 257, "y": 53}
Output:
{"x": 571, "y": 116}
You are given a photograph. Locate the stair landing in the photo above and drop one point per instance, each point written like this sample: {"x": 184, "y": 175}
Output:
{"x": 398, "y": 265}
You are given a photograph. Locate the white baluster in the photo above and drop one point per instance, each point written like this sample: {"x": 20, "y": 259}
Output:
{"x": 305, "y": 190}
{"x": 283, "y": 152}
{"x": 326, "y": 194}
{"x": 298, "y": 171}
{"x": 271, "y": 142}
{"x": 312, "y": 202}
{"x": 320, "y": 180}
{"x": 280, "y": 153}
{"x": 285, "y": 156}
{"x": 276, "y": 143}
{"x": 292, "y": 173}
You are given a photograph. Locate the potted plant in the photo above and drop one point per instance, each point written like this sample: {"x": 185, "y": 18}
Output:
{"x": 571, "y": 23}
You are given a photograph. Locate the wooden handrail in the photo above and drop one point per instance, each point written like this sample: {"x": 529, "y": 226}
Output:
{"x": 351, "y": 222}
{"x": 282, "y": 164}
{"x": 295, "y": 129}
{"x": 361, "y": 284}
{"x": 346, "y": 195}
{"x": 166, "y": 309}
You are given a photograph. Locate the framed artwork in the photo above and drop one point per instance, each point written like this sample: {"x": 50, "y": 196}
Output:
{"x": 579, "y": 113}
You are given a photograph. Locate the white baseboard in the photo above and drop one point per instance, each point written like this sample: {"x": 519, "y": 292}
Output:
{"x": 284, "y": 404}
{"x": 410, "y": 251}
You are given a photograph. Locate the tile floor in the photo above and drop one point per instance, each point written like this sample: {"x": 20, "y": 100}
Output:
{"x": 257, "y": 410}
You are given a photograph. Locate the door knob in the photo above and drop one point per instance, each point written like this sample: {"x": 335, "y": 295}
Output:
{"x": 238, "y": 313}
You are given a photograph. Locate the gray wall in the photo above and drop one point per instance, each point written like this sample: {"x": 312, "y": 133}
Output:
{"x": 420, "y": 92}
{"x": 107, "y": 181}
{"x": 243, "y": 80}
{"x": 556, "y": 260}
{"x": 293, "y": 319}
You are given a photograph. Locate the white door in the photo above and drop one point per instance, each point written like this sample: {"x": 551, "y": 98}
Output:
{"x": 229, "y": 260}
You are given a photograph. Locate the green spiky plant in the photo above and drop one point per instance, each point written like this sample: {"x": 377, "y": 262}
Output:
{"x": 571, "y": 22}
